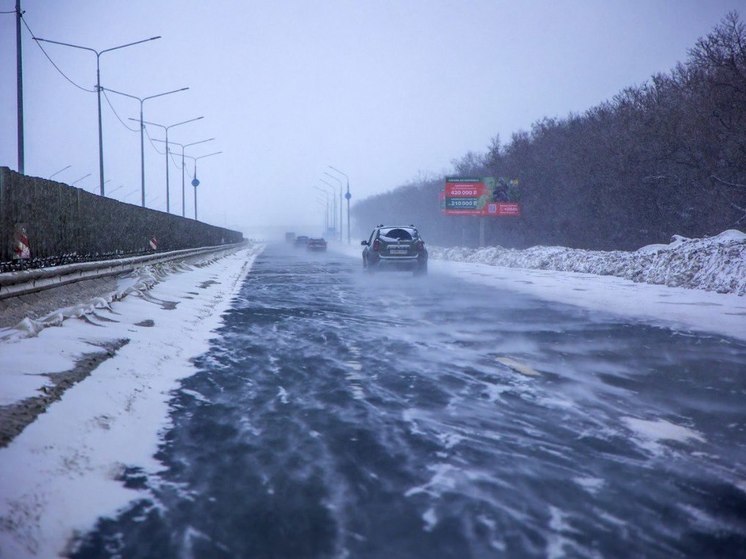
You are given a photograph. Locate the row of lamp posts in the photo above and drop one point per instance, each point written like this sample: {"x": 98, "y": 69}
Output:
{"x": 166, "y": 128}
{"x": 183, "y": 167}
{"x": 142, "y": 130}
{"x": 98, "y": 92}
{"x": 346, "y": 195}
{"x": 99, "y": 89}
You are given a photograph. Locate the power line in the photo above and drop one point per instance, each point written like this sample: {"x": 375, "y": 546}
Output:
{"x": 152, "y": 143}
{"x": 108, "y": 101}
{"x": 176, "y": 163}
{"x": 52, "y": 61}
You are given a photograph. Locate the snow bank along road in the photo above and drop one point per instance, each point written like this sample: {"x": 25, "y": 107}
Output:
{"x": 692, "y": 284}
{"x": 714, "y": 263}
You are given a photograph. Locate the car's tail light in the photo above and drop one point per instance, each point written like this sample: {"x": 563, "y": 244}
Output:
{"x": 420, "y": 246}
{"x": 376, "y": 245}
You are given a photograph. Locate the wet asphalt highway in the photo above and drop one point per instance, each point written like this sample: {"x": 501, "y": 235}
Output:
{"x": 342, "y": 414}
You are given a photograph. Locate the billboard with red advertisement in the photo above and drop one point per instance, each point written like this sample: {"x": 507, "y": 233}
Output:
{"x": 485, "y": 196}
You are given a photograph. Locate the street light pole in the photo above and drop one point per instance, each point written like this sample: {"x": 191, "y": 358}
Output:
{"x": 19, "y": 88}
{"x": 195, "y": 180}
{"x": 142, "y": 129}
{"x": 339, "y": 181}
{"x": 183, "y": 166}
{"x": 326, "y": 197}
{"x": 183, "y": 192}
{"x": 334, "y": 204}
{"x": 166, "y": 128}
{"x": 325, "y": 205}
{"x": 80, "y": 179}
{"x": 58, "y": 172}
{"x": 347, "y": 196}
{"x": 98, "y": 92}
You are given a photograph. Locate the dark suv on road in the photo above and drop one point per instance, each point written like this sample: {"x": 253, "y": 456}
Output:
{"x": 395, "y": 247}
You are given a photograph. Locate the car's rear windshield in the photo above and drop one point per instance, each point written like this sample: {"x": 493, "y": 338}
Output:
{"x": 398, "y": 233}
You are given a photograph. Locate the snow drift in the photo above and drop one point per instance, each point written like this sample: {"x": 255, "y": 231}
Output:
{"x": 713, "y": 264}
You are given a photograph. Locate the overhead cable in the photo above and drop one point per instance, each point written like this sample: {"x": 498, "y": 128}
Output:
{"x": 153, "y": 143}
{"x": 52, "y": 61}
{"x": 111, "y": 106}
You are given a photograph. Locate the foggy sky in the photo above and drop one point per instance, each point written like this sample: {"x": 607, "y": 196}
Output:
{"x": 383, "y": 90}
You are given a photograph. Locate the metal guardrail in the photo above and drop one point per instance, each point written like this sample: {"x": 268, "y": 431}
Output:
{"x": 13, "y": 284}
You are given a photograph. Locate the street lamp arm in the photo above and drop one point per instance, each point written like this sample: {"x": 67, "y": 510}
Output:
{"x": 142, "y": 99}
{"x": 185, "y": 121}
{"x": 58, "y": 172}
{"x": 201, "y": 156}
{"x": 129, "y": 44}
{"x": 195, "y": 143}
{"x": 333, "y": 177}
{"x": 66, "y": 45}
{"x": 166, "y": 127}
{"x": 208, "y": 155}
{"x": 80, "y": 179}
{"x": 152, "y": 123}
{"x": 329, "y": 185}
{"x": 183, "y": 146}
{"x": 162, "y": 94}
{"x": 97, "y": 52}
{"x": 340, "y": 172}
{"x": 121, "y": 93}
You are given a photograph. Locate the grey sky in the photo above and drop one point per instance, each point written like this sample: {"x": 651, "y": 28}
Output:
{"x": 382, "y": 90}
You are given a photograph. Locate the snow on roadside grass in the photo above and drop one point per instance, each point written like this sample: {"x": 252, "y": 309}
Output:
{"x": 713, "y": 264}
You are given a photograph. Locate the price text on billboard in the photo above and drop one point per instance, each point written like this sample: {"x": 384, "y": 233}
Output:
{"x": 485, "y": 196}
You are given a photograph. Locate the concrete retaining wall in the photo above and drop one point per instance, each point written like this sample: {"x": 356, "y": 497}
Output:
{"x": 60, "y": 220}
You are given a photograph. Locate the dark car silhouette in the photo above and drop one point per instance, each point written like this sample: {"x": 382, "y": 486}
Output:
{"x": 395, "y": 248}
{"x": 316, "y": 245}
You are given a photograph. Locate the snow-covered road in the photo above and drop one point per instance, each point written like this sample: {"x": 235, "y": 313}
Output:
{"x": 675, "y": 307}
{"x": 64, "y": 470}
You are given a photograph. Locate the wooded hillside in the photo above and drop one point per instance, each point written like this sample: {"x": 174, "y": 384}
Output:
{"x": 664, "y": 158}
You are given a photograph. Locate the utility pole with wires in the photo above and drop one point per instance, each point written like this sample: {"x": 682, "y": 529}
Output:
{"x": 19, "y": 94}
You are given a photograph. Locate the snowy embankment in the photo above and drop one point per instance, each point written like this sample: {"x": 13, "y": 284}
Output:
{"x": 712, "y": 264}
{"x": 118, "y": 358}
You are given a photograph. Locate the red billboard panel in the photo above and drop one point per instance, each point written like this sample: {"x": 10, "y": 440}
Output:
{"x": 485, "y": 196}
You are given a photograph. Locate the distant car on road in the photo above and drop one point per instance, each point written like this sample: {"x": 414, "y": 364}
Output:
{"x": 395, "y": 247}
{"x": 316, "y": 245}
{"x": 301, "y": 241}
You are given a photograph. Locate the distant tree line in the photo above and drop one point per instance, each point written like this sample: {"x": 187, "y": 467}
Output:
{"x": 664, "y": 158}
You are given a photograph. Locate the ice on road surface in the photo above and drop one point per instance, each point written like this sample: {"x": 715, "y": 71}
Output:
{"x": 74, "y": 463}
